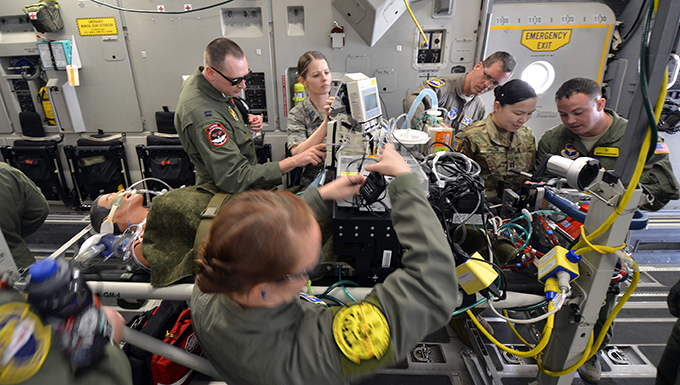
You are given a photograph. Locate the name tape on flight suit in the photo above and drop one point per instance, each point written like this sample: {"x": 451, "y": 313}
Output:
{"x": 612, "y": 152}
{"x": 217, "y": 135}
{"x": 361, "y": 332}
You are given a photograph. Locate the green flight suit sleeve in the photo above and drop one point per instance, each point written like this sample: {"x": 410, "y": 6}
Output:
{"x": 659, "y": 179}
{"x": 232, "y": 172}
{"x": 34, "y": 208}
{"x": 419, "y": 298}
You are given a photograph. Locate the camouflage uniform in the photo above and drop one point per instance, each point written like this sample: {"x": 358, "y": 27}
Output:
{"x": 449, "y": 91}
{"x": 496, "y": 154}
{"x": 657, "y": 175}
{"x": 303, "y": 120}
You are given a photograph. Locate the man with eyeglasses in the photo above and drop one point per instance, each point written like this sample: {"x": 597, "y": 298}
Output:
{"x": 458, "y": 94}
{"x": 214, "y": 131}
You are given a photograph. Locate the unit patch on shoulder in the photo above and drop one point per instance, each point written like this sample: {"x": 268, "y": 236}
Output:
{"x": 456, "y": 144}
{"x": 361, "y": 332}
{"x": 233, "y": 113}
{"x": 24, "y": 341}
{"x": 217, "y": 135}
{"x": 611, "y": 152}
{"x": 662, "y": 148}
{"x": 435, "y": 82}
{"x": 570, "y": 152}
{"x": 466, "y": 121}
{"x": 453, "y": 113}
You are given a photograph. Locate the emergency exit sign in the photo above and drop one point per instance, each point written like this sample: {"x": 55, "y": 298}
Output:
{"x": 545, "y": 40}
{"x": 97, "y": 26}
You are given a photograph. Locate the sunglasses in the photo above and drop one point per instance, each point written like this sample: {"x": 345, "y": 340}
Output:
{"x": 235, "y": 81}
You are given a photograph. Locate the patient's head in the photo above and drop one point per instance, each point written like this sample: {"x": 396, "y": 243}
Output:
{"x": 130, "y": 210}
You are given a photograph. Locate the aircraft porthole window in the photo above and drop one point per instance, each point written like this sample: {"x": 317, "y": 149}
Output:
{"x": 540, "y": 75}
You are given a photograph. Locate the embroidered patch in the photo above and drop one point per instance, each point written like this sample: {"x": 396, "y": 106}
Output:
{"x": 466, "y": 120}
{"x": 453, "y": 113}
{"x": 312, "y": 299}
{"x": 455, "y": 145}
{"x": 233, "y": 113}
{"x": 361, "y": 332}
{"x": 611, "y": 152}
{"x": 435, "y": 82}
{"x": 23, "y": 334}
{"x": 662, "y": 148}
{"x": 217, "y": 134}
{"x": 570, "y": 152}
{"x": 207, "y": 113}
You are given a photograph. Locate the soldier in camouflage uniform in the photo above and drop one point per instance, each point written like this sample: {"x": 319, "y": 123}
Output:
{"x": 502, "y": 141}
{"x": 458, "y": 94}
{"x": 307, "y": 122}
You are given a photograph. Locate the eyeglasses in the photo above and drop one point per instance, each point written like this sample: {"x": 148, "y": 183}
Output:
{"x": 235, "y": 81}
{"x": 304, "y": 274}
{"x": 487, "y": 77}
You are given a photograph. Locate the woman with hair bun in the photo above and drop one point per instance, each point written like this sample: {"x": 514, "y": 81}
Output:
{"x": 307, "y": 121}
{"x": 501, "y": 141}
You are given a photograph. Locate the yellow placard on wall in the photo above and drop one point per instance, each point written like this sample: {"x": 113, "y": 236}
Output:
{"x": 545, "y": 40}
{"x": 97, "y": 26}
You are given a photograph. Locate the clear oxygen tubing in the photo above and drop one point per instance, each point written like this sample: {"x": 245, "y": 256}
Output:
{"x": 414, "y": 105}
{"x": 542, "y": 343}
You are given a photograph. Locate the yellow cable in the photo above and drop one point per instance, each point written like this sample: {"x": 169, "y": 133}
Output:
{"x": 593, "y": 348}
{"x": 427, "y": 44}
{"x": 570, "y": 369}
{"x": 617, "y": 308}
{"x": 599, "y": 248}
{"x": 547, "y": 332}
{"x": 515, "y": 332}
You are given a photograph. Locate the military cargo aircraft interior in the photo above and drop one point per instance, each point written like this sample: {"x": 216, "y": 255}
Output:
{"x": 464, "y": 192}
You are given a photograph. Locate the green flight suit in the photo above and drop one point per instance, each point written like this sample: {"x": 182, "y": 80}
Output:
{"x": 496, "y": 154}
{"x": 215, "y": 137}
{"x": 113, "y": 368}
{"x": 657, "y": 175}
{"x": 294, "y": 343}
{"x": 449, "y": 90}
{"x": 303, "y": 120}
{"x": 22, "y": 212}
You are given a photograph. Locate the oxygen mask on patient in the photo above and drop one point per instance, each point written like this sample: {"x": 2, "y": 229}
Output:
{"x": 101, "y": 248}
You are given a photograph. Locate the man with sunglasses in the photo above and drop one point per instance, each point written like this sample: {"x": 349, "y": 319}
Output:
{"x": 214, "y": 131}
{"x": 458, "y": 94}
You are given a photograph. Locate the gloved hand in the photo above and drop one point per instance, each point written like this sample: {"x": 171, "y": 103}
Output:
{"x": 674, "y": 300}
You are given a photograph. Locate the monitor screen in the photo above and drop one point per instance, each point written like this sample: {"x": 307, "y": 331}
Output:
{"x": 371, "y": 101}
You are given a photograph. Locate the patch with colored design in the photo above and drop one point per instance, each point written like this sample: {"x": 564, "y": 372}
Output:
{"x": 662, "y": 148}
{"x": 24, "y": 343}
{"x": 217, "y": 135}
{"x": 455, "y": 145}
{"x": 466, "y": 120}
{"x": 570, "y": 152}
{"x": 233, "y": 113}
{"x": 435, "y": 82}
{"x": 611, "y": 152}
{"x": 453, "y": 113}
{"x": 361, "y": 332}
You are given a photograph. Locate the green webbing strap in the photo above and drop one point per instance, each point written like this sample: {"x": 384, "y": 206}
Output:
{"x": 218, "y": 200}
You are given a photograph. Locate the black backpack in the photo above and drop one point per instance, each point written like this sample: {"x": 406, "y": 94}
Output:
{"x": 156, "y": 323}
